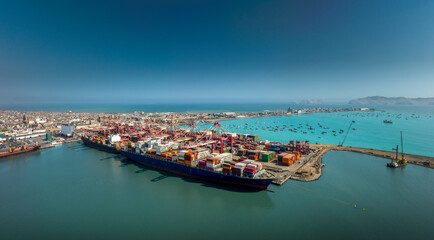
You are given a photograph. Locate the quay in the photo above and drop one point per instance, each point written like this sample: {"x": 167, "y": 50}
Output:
{"x": 309, "y": 167}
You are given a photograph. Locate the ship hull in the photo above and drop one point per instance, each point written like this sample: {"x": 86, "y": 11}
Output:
{"x": 197, "y": 173}
{"x": 16, "y": 153}
{"x": 99, "y": 146}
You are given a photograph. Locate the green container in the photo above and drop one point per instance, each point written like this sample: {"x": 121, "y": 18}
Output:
{"x": 49, "y": 136}
{"x": 269, "y": 156}
{"x": 266, "y": 157}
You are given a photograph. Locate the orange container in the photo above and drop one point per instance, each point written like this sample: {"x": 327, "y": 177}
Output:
{"x": 151, "y": 151}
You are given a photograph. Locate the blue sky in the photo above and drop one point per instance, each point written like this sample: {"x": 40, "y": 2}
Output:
{"x": 141, "y": 51}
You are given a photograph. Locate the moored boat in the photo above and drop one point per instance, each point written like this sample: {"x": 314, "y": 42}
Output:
{"x": 100, "y": 146}
{"x": 259, "y": 181}
{"x": 23, "y": 150}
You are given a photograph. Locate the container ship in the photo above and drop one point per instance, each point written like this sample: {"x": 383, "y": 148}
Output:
{"x": 212, "y": 155}
{"x": 18, "y": 151}
{"x": 243, "y": 174}
{"x": 102, "y": 145}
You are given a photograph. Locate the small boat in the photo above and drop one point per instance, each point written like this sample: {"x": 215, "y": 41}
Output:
{"x": 387, "y": 121}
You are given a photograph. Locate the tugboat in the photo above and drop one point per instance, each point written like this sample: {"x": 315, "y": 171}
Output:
{"x": 395, "y": 163}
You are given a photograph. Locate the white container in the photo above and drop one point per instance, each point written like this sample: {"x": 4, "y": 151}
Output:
{"x": 182, "y": 153}
{"x": 240, "y": 165}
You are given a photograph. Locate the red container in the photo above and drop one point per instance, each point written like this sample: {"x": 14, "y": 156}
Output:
{"x": 226, "y": 171}
{"x": 249, "y": 169}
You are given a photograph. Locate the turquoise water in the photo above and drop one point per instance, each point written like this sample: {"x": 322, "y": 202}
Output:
{"x": 371, "y": 132}
{"x": 74, "y": 192}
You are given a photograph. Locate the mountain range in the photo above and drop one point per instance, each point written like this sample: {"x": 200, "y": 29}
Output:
{"x": 393, "y": 101}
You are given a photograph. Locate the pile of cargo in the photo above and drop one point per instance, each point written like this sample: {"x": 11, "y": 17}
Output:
{"x": 253, "y": 154}
{"x": 227, "y": 167}
{"x": 288, "y": 158}
{"x": 212, "y": 163}
{"x": 268, "y": 156}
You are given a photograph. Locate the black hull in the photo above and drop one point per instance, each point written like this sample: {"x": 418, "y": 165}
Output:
{"x": 198, "y": 173}
{"x": 99, "y": 146}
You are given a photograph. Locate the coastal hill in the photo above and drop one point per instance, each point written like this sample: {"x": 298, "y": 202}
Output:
{"x": 393, "y": 100}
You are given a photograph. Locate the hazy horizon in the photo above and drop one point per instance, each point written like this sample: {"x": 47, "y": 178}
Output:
{"x": 195, "y": 51}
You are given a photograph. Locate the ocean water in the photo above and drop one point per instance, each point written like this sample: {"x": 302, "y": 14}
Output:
{"x": 75, "y": 192}
{"x": 195, "y": 107}
{"x": 151, "y": 107}
{"x": 370, "y": 131}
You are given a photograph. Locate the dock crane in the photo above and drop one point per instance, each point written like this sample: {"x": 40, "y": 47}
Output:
{"x": 346, "y": 135}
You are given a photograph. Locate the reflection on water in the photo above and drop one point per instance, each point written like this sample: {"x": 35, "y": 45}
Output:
{"x": 66, "y": 192}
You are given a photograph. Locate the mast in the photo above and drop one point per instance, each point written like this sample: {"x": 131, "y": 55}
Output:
{"x": 402, "y": 147}
{"x": 396, "y": 149}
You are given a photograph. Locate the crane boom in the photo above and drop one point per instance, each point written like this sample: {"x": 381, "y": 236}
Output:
{"x": 346, "y": 134}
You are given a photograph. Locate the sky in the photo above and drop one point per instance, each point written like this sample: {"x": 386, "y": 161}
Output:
{"x": 216, "y": 51}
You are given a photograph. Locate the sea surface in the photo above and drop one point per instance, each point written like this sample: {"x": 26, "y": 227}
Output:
{"x": 367, "y": 131}
{"x": 75, "y": 192}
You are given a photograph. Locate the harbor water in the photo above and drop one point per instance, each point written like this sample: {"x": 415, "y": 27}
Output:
{"x": 75, "y": 192}
{"x": 367, "y": 131}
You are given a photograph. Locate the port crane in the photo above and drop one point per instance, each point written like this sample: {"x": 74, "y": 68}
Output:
{"x": 346, "y": 134}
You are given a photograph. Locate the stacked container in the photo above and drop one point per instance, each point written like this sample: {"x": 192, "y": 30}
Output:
{"x": 253, "y": 154}
{"x": 151, "y": 151}
{"x": 181, "y": 156}
{"x": 280, "y": 157}
{"x": 241, "y": 152}
{"x": 227, "y": 168}
{"x": 189, "y": 157}
{"x": 202, "y": 153}
{"x": 202, "y": 163}
{"x": 212, "y": 163}
{"x": 288, "y": 159}
{"x": 238, "y": 169}
{"x": 249, "y": 171}
{"x": 268, "y": 156}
